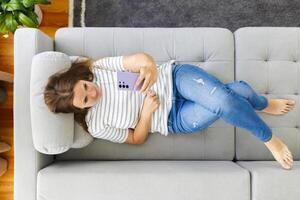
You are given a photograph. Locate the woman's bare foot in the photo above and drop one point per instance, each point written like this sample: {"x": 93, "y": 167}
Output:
{"x": 279, "y": 106}
{"x": 280, "y": 152}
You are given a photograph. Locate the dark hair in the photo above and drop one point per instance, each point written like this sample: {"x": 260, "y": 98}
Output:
{"x": 59, "y": 94}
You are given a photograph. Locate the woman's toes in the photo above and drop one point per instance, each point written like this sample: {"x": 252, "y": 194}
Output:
{"x": 289, "y": 107}
{"x": 286, "y": 109}
{"x": 289, "y": 155}
{"x": 291, "y": 102}
{"x": 285, "y": 165}
{"x": 289, "y": 160}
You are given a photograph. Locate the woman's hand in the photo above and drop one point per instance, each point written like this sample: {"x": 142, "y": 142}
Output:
{"x": 148, "y": 73}
{"x": 151, "y": 102}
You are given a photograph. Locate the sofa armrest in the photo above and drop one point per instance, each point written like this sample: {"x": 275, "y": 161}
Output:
{"x": 27, "y": 161}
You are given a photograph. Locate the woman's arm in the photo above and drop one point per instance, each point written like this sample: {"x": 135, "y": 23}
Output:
{"x": 151, "y": 103}
{"x": 134, "y": 62}
{"x": 141, "y": 131}
{"x": 131, "y": 63}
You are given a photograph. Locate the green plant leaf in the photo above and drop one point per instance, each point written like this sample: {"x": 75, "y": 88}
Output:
{"x": 31, "y": 8}
{"x": 3, "y": 28}
{"x": 28, "y": 3}
{"x": 3, "y": 5}
{"x": 2, "y": 17}
{"x": 16, "y": 14}
{"x": 15, "y": 5}
{"x": 33, "y": 16}
{"x": 10, "y": 22}
{"x": 43, "y": 1}
{"x": 27, "y": 21}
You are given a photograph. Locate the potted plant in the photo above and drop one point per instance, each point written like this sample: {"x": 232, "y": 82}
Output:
{"x": 16, "y": 13}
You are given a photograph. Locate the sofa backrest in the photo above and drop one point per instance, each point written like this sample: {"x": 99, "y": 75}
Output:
{"x": 268, "y": 59}
{"x": 210, "y": 48}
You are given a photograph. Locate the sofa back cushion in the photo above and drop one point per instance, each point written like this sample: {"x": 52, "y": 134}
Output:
{"x": 268, "y": 58}
{"x": 210, "y": 48}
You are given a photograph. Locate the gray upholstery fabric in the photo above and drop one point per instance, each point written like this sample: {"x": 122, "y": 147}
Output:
{"x": 195, "y": 166}
{"x": 268, "y": 58}
{"x": 81, "y": 138}
{"x": 210, "y": 48}
{"x": 147, "y": 180}
{"x": 270, "y": 182}
{"x": 52, "y": 132}
{"x": 27, "y": 161}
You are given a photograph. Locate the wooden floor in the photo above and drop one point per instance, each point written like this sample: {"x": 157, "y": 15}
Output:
{"x": 55, "y": 15}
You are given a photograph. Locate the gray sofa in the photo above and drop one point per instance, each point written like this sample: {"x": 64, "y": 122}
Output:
{"x": 221, "y": 162}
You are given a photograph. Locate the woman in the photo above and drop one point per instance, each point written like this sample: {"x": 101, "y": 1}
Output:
{"x": 183, "y": 99}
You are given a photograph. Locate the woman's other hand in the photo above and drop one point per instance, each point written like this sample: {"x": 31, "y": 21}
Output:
{"x": 151, "y": 102}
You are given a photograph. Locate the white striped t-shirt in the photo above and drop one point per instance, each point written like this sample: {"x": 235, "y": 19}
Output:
{"x": 118, "y": 110}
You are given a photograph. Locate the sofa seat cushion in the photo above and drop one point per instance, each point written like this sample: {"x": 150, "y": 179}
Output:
{"x": 115, "y": 180}
{"x": 271, "y": 182}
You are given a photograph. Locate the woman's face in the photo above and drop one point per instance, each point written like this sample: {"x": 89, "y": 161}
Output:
{"x": 86, "y": 94}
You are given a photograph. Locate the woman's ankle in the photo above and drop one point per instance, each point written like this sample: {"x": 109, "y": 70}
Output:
{"x": 270, "y": 141}
{"x": 274, "y": 143}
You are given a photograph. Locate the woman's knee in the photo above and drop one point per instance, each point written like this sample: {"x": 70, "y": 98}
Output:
{"x": 220, "y": 104}
{"x": 184, "y": 69}
{"x": 242, "y": 88}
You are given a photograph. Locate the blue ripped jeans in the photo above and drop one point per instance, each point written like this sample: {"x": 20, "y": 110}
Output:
{"x": 199, "y": 99}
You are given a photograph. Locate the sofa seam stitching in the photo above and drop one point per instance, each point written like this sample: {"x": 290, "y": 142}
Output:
{"x": 84, "y": 41}
{"x": 143, "y": 38}
{"x": 173, "y": 37}
{"x": 114, "y": 49}
{"x": 297, "y": 76}
{"x": 267, "y": 61}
